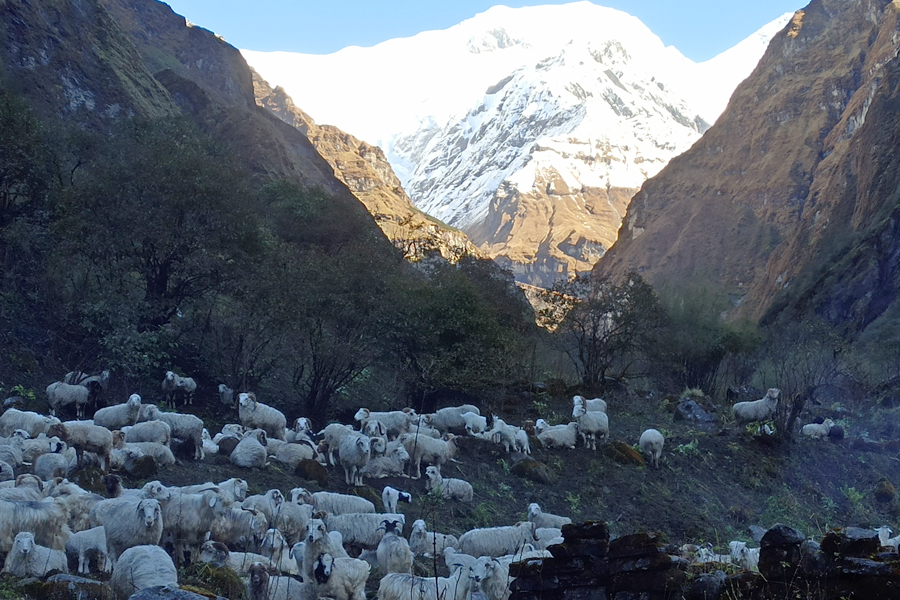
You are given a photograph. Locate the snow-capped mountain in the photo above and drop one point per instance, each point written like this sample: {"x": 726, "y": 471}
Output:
{"x": 529, "y": 129}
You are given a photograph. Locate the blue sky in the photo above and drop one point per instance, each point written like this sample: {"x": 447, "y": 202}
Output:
{"x": 700, "y": 29}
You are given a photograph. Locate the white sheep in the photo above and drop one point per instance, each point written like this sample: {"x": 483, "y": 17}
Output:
{"x": 226, "y": 395}
{"x": 6, "y": 471}
{"x": 818, "y": 430}
{"x": 429, "y": 450}
{"x": 33, "y": 447}
{"x": 240, "y": 528}
{"x": 390, "y": 497}
{"x": 120, "y": 415}
{"x": 12, "y": 454}
{"x": 318, "y": 541}
{"x": 393, "y": 553}
{"x": 87, "y": 547}
{"x": 184, "y": 427}
{"x": 291, "y": 520}
{"x": 429, "y": 543}
{"x": 475, "y": 423}
{"x": 250, "y": 452}
{"x": 61, "y": 394}
{"x": 45, "y": 519}
{"x": 28, "y": 559}
{"x": 361, "y": 529}
{"x": 458, "y": 560}
{"x": 593, "y": 405}
{"x": 591, "y": 426}
{"x": 77, "y": 502}
{"x": 174, "y": 386}
{"x": 256, "y": 415}
{"x": 50, "y": 465}
{"x": 267, "y": 503}
{"x": 209, "y": 446}
{"x": 392, "y": 464}
{"x": 333, "y": 434}
{"x": 523, "y": 444}
{"x": 276, "y": 548}
{"x": 652, "y": 442}
{"x": 544, "y": 519}
{"x": 885, "y": 539}
{"x": 230, "y": 491}
{"x": 492, "y": 577}
{"x": 334, "y": 503}
{"x": 757, "y": 410}
{"x": 448, "y": 488}
{"x": 96, "y": 384}
{"x": 340, "y": 578}
{"x": 557, "y": 436}
{"x": 149, "y": 431}
{"x": 402, "y": 586}
{"x": 354, "y": 451}
{"x": 497, "y": 541}
{"x": 85, "y": 436}
{"x": 547, "y": 536}
{"x": 217, "y": 554}
{"x": 744, "y": 557}
{"x": 291, "y": 454}
{"x": 450, "y": 418}
{"x": 396, "y": 422}
{"x": 31, "y": 422}
{"x": 187, "y": 518}
{"x": 142, "y": 567}
{"x": 161, "y": 454}
{"x": 128, "y": 522}
{"x": 262, "y": 586}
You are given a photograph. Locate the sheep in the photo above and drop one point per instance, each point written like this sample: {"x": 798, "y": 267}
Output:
{"x": 291, "y": 520}
{"x": 217, "y": 554}
{"x": 361, "y": 529}
{"x": 757, "y": 410}
{"x": 449, "y": 489}
{"x": 6, "y": 471}
{"x": 301, "y": 432}
{"x": 226, "y": 395}
{"x": 251, "y": 451}
{"x": 89, "y": 546}
{"x": 818, "y": 430}
{"x": 230, "y": 491}
{"x": 497, "y": 541}
{"x": 427, "y": 449}
{"x": 334, "y": 433}
{"x": 50, "y": 465}
{"x": 392, "y": 464}
{"x": 354, "y": 451}
{"x": 240, "y": 528}
{"x": 292, "y": 454}
{"x": 28, "y": 421}
{"x": 275, "y": 547}
{"x": 706, "y": 554}
{"x": 333, "y": 503}
{"x": 262, "y": 586}
{"x": 885, "y": 539}
{"x": 547, "y": 536}
{"x": 523, "y": 444}
{"x": 27, "y": 559}
{"x": 744, "y": 557}
{"x": 593, "y": 405}
{"x": 96, "y": 384}
{"x": 267, "y": 503}
{"x": 160, "y": 453}
{"x": 557, "y": 436}
{"x": 402, "y": 586}
{"x": 475, "y": 423}
{"x": 174, "y": 386}
{"x": 340, "y": 578}
{"x": 209, "y": 446}
{"x": 12, "y": 454}
{"x": 591, "y": 426}
{"x": 318, "y": 541}
{"x": 128, "y": 522}
{"x": 492, "y": 576}
{"x": 390, "y": 497}
{"x": 116, "y": 417}
{"x": 149, "y": 431}
{"x": 396, "y": 421}
{"x": 186, "y": 387}
{"x": 374, "y": 428}
{"x": 393, "y": 553}
{"x": 33, "y": 447}
{"x": 142, "y": 567}
{"x": 84, "y": 436}
{"x": 652, "y": 445}
{"x": 77, "y": 502}
{"x": 186, "y": 520}
{"x": 61, "y": 394}
{"x": 184, "y": 427}
{"x": 504, "y": 434}
{"x": 543, "y": 519}
{"x": 151, "y": 489}
{"x": 427, "y": 543}
{"x": 450, "y": 418}
{"x": 45, "y": 519}
{"x": 457, "y": 560}
{"x": 256, "y": 415}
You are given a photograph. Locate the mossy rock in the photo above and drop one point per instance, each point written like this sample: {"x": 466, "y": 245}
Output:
{"x": 205, "y": 579}
{"x": 91, "y": 479}
{"x": 143, "y": 467}
{"x": 623, "y": 454}
{"x": 311, "y": 470}
{"x": 535, "y": 471}
{"x": 62, "y": 587}
{"x": 884, "y": 491}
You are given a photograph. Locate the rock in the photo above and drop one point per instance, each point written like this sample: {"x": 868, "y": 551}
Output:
{"x": 863, "y": 567}
{"x": 161, "y": 592}
{"x": 756, "y": 532}
{"x": 850, "y": 541}
{"x": 781, "y": 535}
{"x": 143, "y": 467}
{"x": 708, "y": 586}
{"x": 91, "y": 479}
{"x": 689, "y": 410}
{"x": 636, "y": 544}
{"x": 812, "y": 560}
{"x": 221, "y": 581}
{"x": 836, "y": 433}
{"x": 589, "y": 530}
{"x": 65, "y": 587}
{"x": 779, "y": 555}
{"x": 623, "y": 454}
{"x": 535, "y": 471}
{"x": 312, "y": 470}
{"x": 227, "y": 445}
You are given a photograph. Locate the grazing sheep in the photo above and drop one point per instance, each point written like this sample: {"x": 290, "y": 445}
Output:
{"x": 340, "y": 578}
{"x": 449, "y": 488}
{"x": 318, "y": 541}
{"x": 149, "y": 431}
{"x": 240, "y": 528}
{"x": 428, "y": 543}
{"x": 393, "y": 553}
{"x": 187, "y": 518}
{"x": 334, "y": 433}
{"x": 429, "y": 450}
{"x": 458, "y": 560}
{"x": 251, "y": 451}
{"x": 392, "y": 464}
{"x": 757, "y": 410}
{"x": 396, "y": 422}
{"x": 492, "y": 577}
{"x": 61, "y": 394}
{"x": 746, "y": 558}
{"x": 402, "y": 586}
{"x": 450, "y": 418}
{"x": 475, "y": 423}
{"x": 818, "y": 430}
{"x": 390, "y": 497}
{"x": 218, "y": 555}
{"x": 84, "y": 436}
{"x": 256, "y": 415}
{"x": 542, "y": 519}
{"x": 652, "y": 445}
{"x": 594, "y": 405}
{"x": 262, "y": 586}
{"x": 362, "y": 530}
{"x": 45, "y": 519}
{"x": 591, "y": 426}
{"x": 31, "y": 422}
{"x": 354, "y": 451}
{"x": 497, "y": 541}
{"x": 142, "y": 567}
{"x": 184, "y": 427}
{"x": 276, "y": 548}
{"x": 89, "y": 547}
{"x": 27, "y": 559}
{"x": 557, "y": 436}
{"x": 128, "y": 522}
{"x": 120, "y": 415}
{"x": 333, "y": 503}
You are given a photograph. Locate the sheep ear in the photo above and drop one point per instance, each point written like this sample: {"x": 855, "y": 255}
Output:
{"x": 212, "y": 501}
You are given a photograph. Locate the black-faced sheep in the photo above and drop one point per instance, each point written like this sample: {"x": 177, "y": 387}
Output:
{"x": 88, "y": 547}
{"x": 394, "y": 555}
{"x": 319, "y": 541}
{"x": 340, "y": 578}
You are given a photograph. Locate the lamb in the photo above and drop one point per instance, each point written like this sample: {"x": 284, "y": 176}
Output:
{"x": 184, "y": 427}
{"x": 361, "y": 529}
{"x": 427, "y": 449}
{"x": 319, "y": 541}
{"x": 149, "y": 431}
{"x": 354, "y": 450}
{"x": 256, "y": 415}
{"x": 31, "y": 422}
{"x": 89, "y": 547}
{"x": 142, "y": 567}
{"x": 45, "y": 519}
{"x": 240, "y": 528}
{"x": 449, "y": 489}
{"x": 340, "y": 578}
{"x": 186, "y": 520}
{"x": 390, "y": 497}
{"x": 251, "y": 451}
{"x": 757, "y": 410}
{"x": 393, "y": 553}
{"x": 652, "y": 445}
{"x": 28, "y": 559}
{"x": 457, "y": 560}
{"x": 334, "y": 433}
{"x": 475, "y": 423}
{"x": 128, "y": 522}
{"x": 427, "y": 543}
{"x": 120, "y": 415}
{"x": 402, "y": 586}
{"x": 497, "y": 541}
{"x": 83, "y": 436}
{"x": 818, "y": 430}
{"x": 396, "y": 421}
{"x": 492, "y": 576}
{"x": 450, "y": 418}
{"x": 591, "y": 426}
{"x": 217, "y": 554}
{"x": 276, "y": 548}
{"x": 523, "y": 444}
{"x": 263, "y": 586}
{"x": 61, "y": 394}
{"x": 744, "y": 557}
{"x": 594, "y": 405}
{"x": 332, "y": 502}
{"x": 542, "y": 519}
{"x": 392, "y": 464}
{"x": 267, "y": 503}
{"x": 557, "y": 436}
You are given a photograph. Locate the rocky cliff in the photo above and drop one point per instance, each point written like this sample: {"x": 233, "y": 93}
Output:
{"x": 790, "y": 200}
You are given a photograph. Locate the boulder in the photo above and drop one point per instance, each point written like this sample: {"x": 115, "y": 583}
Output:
{"x": 689, "y": 410}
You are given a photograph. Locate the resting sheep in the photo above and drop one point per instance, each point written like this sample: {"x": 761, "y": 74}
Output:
{"x": 652, "y": 445}
{"x": 340, "y": 578}
{"x": 492, "y": 577}
{"x": 427, "y": 543}
{"x": 142, "y": 567}
{"x": 120, "y": 415}
{"x": 50, "y": 465}
{"x": 757, "y": 410}
{"x": 449, "y": 488}
{"x": 27, "y": 559}
{"x": 390, "y": 497}
{"x": 402, "y": 586}
{"x": 393, "y": 553}
{"x": 251, "y": 451}
{"x": 217, "y": 554}
{"x": 497, "y": 541}
{"x": 744, "y": 557}
{"x": 557, "y": 436}
{"x": 333, "y": 503}
{"x": 256, "y": 415}
{"x": 61, "y": 394}
{"x": 149, "y": 431}
{"x": 450, "y": 417}
{"x": 291, "y": 454}
{"x": 543, "y": 519}
{"x": 392, "y": 464}
{"x": 818, "y": 430}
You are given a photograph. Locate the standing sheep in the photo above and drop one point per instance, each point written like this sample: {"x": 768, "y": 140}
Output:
{"x": 450, "y": 418}
{"x": 652, "y": 445}
{"x": 89, "y": 546}
{"x": 497, "y": 541}
{"x": 187, "y": 518}
{"x": 354, "y": 451}
{"x": 129, "y": 523}
{"x": 591, "y": 426}
{"x": 594, "y": 405}
{"x": 423, "y": 448}
{"x": 543, "y": 519}
{"x": 120, "y": 415}
{"x": 758, "y": 410}
{"x": 256, "y": 415}
{"x": 184, "y": 427}
{"x": 142, "y": 567}
{"x": 449, "y": 489}
{"x": 333, "y": 503}
{"x": 45, "y": 519}
{"x": 396, "y": 422}
{"x": 26, "y": 420}
{"x": 27, "y": 559}
{"x": 61, "y": 394}
{"x": 362, "y": 530}
{"x": 318, "y": 541}
{"x": 427, "y": 543}
{"x": 340, "y": 578}
{"x": 84, "y": 436}
{"x": 390, "y": 497}
{"x": 394, "y": 555}
{"x": 240, "y": 528}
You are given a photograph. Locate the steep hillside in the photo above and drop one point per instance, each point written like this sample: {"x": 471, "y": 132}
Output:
{"x": 788, "y": 199}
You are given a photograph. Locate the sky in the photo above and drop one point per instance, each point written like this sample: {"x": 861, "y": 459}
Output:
{"x": 700, "y": 29}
